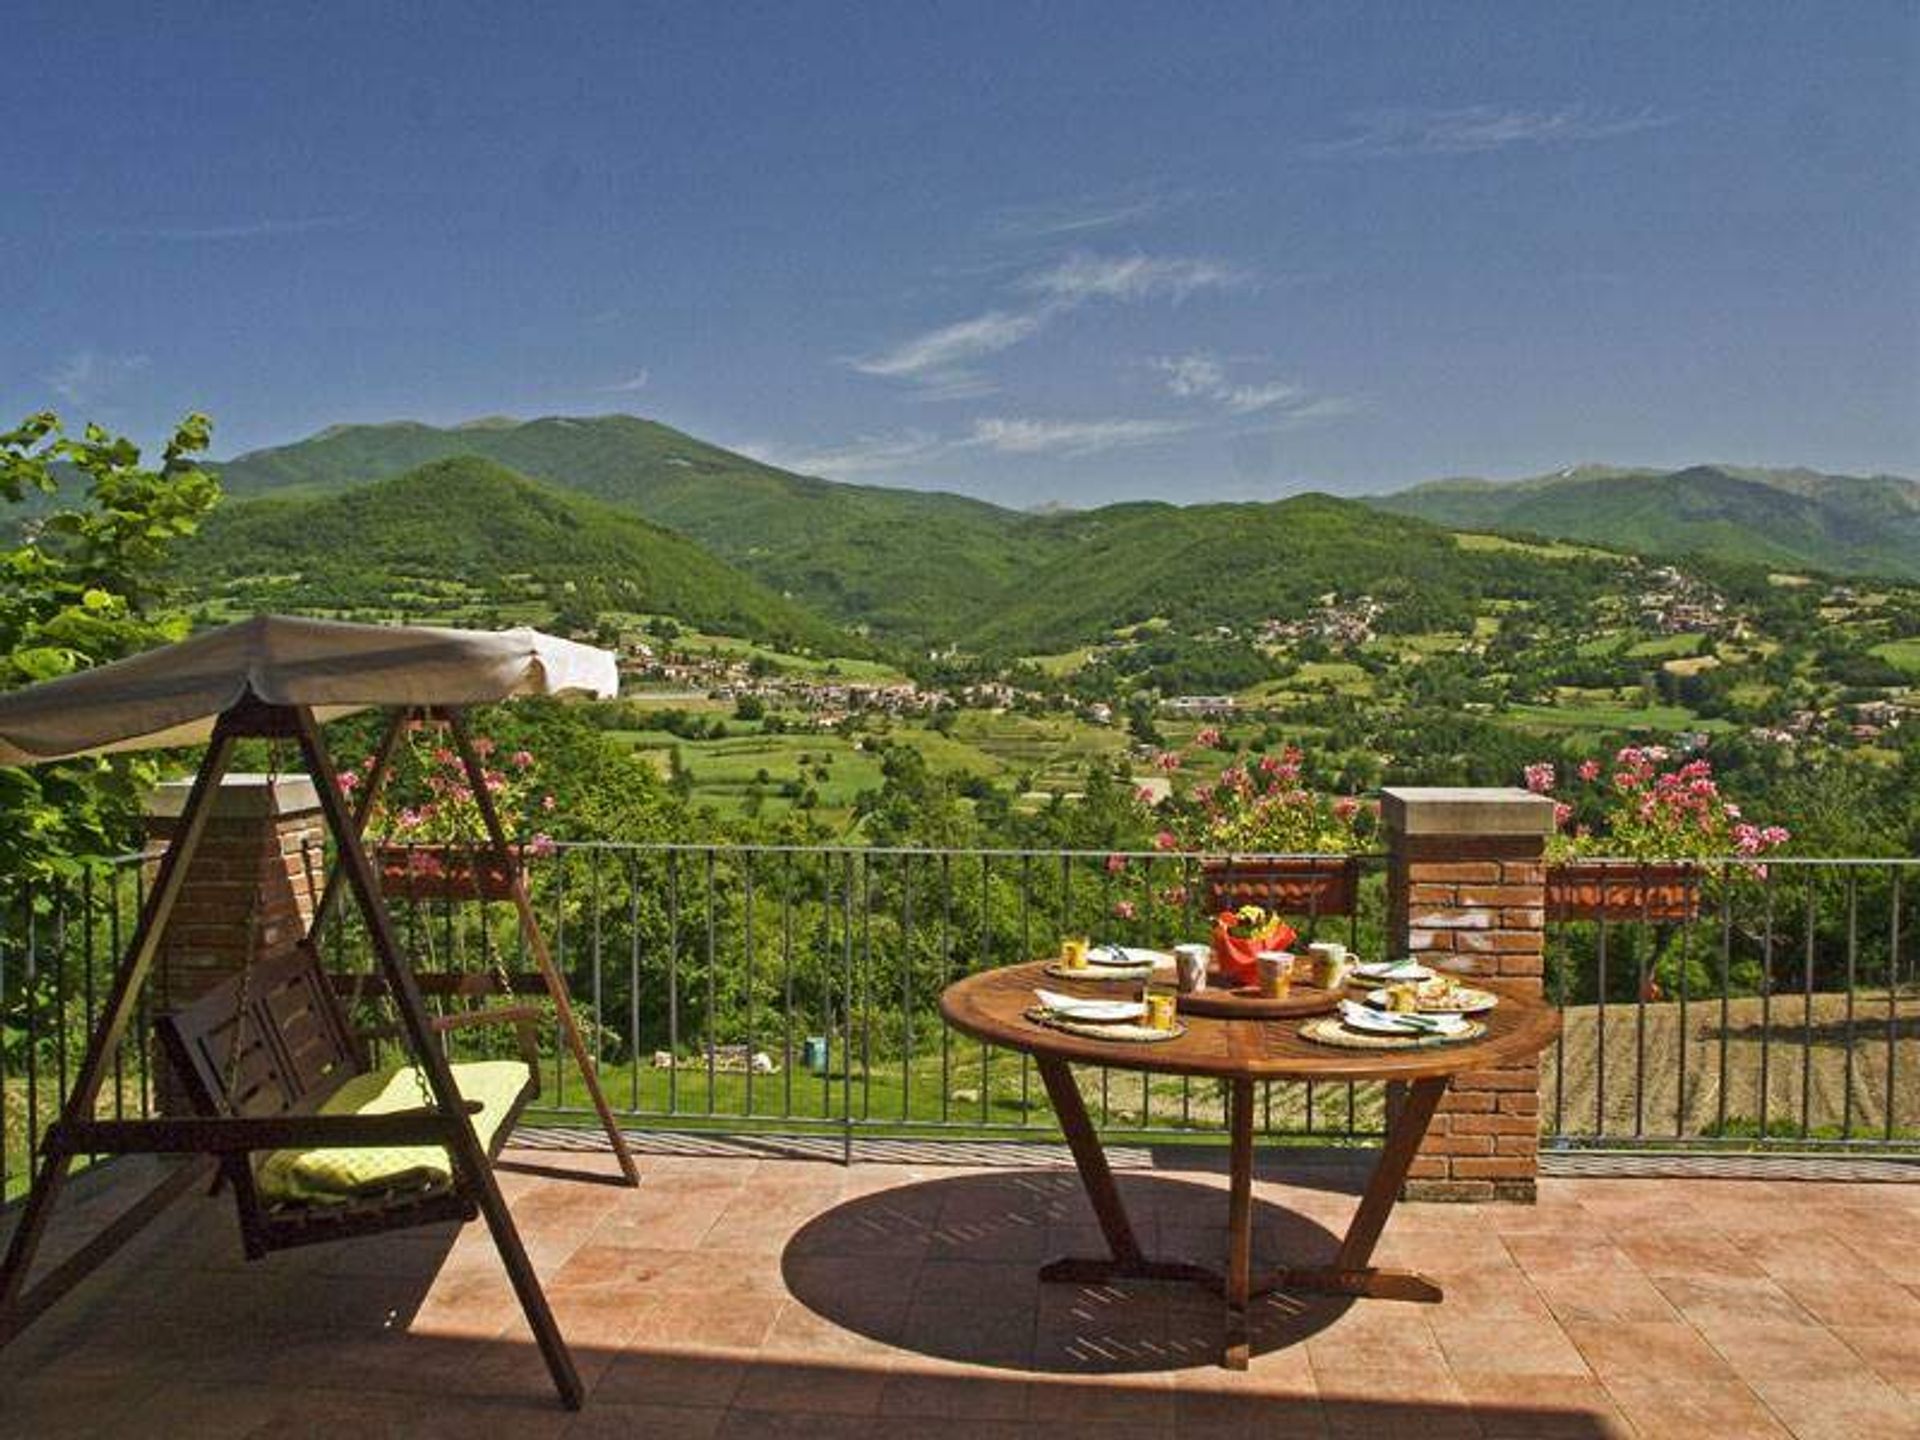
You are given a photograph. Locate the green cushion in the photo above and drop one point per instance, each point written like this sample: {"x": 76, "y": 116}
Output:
{"x": 352, "y": 1172}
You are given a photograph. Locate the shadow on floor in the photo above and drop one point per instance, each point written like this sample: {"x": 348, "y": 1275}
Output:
{"x": 949, "y": 1268}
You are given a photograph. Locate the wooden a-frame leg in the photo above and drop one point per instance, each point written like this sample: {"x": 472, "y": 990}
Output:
{"x": 469, "y": 1159}
{"x": 1352, "y": 1272}
{"x": 19, "y": 1305}
{"x": 556, "y": 981}
{"x": 1124, "y": 1259}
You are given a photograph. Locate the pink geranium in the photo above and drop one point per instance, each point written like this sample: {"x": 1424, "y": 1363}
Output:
{"x": 1638, "y": 809}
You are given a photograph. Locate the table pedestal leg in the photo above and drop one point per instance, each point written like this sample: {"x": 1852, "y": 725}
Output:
{"x": 1351, "y": 1273}
{"x": 1239, "y": 1221}
{"x": 1124, "y": 1260}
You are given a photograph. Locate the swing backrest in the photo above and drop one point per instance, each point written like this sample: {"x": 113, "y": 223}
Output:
{"x": 295, "y": 1047}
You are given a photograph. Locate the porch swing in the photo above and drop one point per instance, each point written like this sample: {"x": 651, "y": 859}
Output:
{"x": 315, "y": 1142}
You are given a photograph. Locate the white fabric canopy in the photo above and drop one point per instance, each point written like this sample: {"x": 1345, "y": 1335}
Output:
{"x": 172, "y": 696}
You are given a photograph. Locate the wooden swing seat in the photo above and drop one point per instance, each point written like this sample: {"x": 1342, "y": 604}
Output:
{"x": 336, "y": 1172}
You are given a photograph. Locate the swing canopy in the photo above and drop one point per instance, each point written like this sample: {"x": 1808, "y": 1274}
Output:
{"x": 173, "y": 695}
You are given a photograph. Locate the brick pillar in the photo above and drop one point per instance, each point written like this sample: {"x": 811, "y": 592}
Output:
{"x": 264, "y": 839}
{"x": 1466, "y": 892}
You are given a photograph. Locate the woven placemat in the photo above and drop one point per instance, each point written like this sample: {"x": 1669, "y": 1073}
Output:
{"x": 1106, "y": 973}
{"x": 1124, "y": 1033}
{"x": 1328, "y": 1030}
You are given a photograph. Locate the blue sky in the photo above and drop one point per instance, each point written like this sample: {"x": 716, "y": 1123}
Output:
{"x": 1031, "y": 252}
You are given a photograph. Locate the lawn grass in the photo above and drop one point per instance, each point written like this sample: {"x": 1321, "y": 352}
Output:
{"x": 1905, "y": 654}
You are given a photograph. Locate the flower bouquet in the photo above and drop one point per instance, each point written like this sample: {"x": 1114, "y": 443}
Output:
{"x": 1239, "y": 935}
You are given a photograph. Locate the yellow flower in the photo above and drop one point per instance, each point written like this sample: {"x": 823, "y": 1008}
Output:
{"x": 1252, "y": 914}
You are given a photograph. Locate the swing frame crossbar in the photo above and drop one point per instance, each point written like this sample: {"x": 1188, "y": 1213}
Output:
{"x": 227, "y": 1139}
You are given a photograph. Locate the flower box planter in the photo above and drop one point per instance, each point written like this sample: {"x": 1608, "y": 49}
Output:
{"x": 442, "y": 872}
{"x": 1662, "y": 890}
{"x": 1309, "y": 885}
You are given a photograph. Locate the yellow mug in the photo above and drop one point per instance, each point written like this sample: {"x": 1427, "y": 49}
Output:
{"x": 1073, "y": 952}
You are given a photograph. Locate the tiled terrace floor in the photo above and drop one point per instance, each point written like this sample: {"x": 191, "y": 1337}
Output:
{"x": 776, "y": 1297}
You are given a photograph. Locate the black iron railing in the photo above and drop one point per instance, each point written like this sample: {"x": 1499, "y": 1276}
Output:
{"x": 795, "y": 989}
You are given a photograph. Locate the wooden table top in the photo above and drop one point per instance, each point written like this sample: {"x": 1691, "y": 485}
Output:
{"x": 991, "y": 1006}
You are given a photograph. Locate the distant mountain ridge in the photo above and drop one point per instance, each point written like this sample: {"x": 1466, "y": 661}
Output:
{"x": 901, "y": 562}
{"x": 1788, "y": 519}
{"x": 926, "y": 569}
{"x": 468, "y": 525}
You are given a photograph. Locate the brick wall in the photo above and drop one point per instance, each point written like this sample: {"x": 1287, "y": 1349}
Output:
{"x": 1466, "y": 892}
{"x": 263, "y": 844}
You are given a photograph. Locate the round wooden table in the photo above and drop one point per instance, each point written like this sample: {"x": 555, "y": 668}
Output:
{"x": 992, "y": 1007}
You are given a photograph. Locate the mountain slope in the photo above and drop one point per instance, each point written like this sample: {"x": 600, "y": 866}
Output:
{"x": 1233, "y": 565}
{"x": 906, "y": 562}
{"x": 1782, "y": 518}
{"x": 468, "y": 525}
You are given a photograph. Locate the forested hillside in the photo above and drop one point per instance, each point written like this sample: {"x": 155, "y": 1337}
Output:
{"x": 469, "y": 533}
{"x": 1787, "y": 519}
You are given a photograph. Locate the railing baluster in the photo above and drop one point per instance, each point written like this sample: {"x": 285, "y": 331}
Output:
{"x": 746, "y": 945}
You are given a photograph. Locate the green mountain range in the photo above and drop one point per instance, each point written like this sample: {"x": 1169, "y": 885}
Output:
{"x": 904, "y": 563}
{"x": 344, "y": 512}
{"x": 1786, "y": 519}
{"x": 466, "y": 530}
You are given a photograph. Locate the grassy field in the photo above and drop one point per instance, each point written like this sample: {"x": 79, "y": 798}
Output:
{"x": 1598, "y": 715}
{"x": 1546, "y": 549}
{"x": 1903, "y": 653}
{"x": 1054, "y": 748}
{"x": 1806, "y": 1059}
{"x": 843, "y": 666}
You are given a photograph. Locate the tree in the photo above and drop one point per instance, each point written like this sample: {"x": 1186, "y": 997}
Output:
{"x": 82, "y": 585}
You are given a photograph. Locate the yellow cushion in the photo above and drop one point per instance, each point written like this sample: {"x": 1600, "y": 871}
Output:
{"x": 351, "y": 1172}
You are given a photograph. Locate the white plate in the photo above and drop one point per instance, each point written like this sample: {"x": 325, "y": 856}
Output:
{"x": 1393, "y": 970}
{"x": 1099, "y": 1012}
{"x": 1380, "y": 1022}
{"x": 1484, "y": 1003}
{"x": 1125, "y": 957}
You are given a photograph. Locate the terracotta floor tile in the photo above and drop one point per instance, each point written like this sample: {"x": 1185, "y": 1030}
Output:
{"x": 1855, "y": 1302}
{"x": 1541, "y": 1407}
{"x": 1666, "y": 1409}
{"x": 778, "y": 1382}
{"x": 692, "y": 1377}
{"x": 1760, "y": 1349}
{"x": 1893, "y": 1351}
{"x": 1647, "y": 1353}
{"x": 1687, "y": 1254}
{"x": 1705, "y": 1301}
{"x": 771, "y": 1297}
{"x": 606, "y": 1420}
{"x": 918, "y": 1388}
{"x": 1841, "y": 1409}
{"x": 1625, "y": 1295}
{"x": 1506, "y": 1346}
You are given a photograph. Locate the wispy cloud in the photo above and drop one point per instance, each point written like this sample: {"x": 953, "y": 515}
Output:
{"x": 1046, "y": 222}
{"x": 1206, "y": 377}
{"x": 633, "y": 384}
{"x": 940, "y": 358}
{"x": 1027, "y": 436}
{"x": 86, "y": 377}
{"x": 942, "y": 362}
{"x": 863, "y": 455}
{"x": 1474, "y": 129}
{"x": 265, "y": 227}
{"x": 1083, "y": 277}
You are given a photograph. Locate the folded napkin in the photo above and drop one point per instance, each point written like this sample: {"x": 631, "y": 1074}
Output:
{"x": 1365, "y": 1016}
{"x": 1076, "y": 1007}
